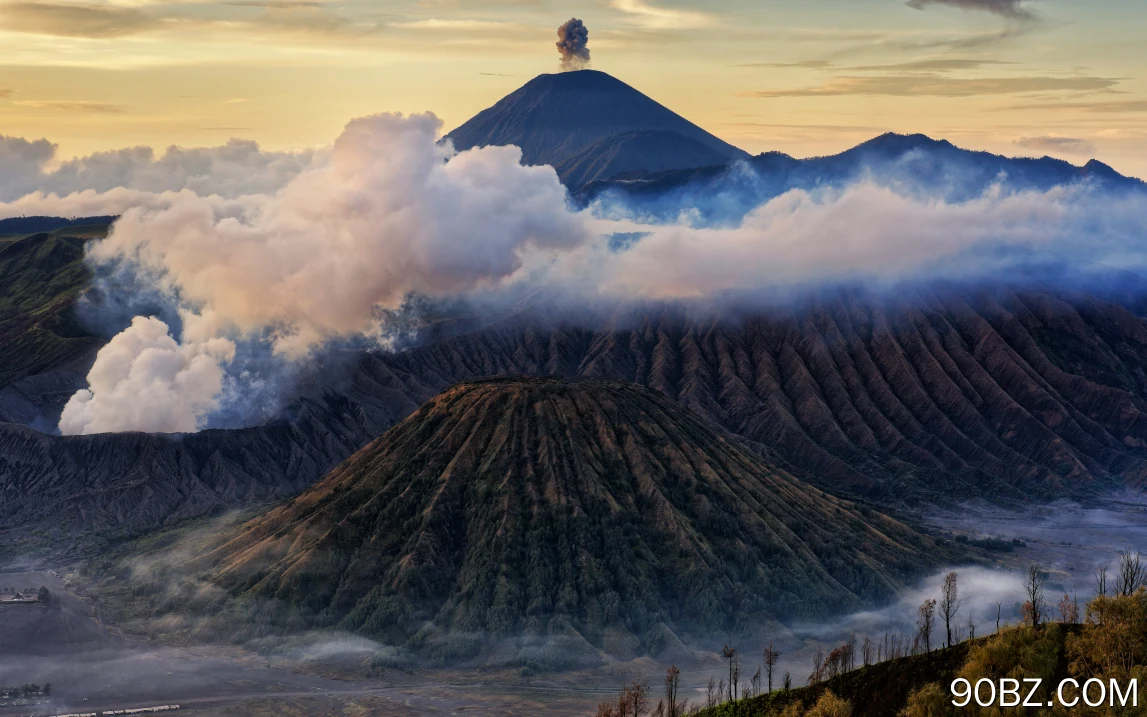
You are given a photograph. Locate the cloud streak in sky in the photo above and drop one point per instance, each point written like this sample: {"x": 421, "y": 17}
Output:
{"x": 936, "y": 85}
{"x": 652, "y": 17}
{"x": 72, "y": 106}
{"x": 1055, "y": 143}
{"x": 1012, "y": 9}
{"x": 75, "y": 19}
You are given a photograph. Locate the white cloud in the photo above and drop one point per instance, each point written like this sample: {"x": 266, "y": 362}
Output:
{"x": 231, "y": 170}
{"x": 387, "y": 213}
{"x": 658, "y": 18}
{"x": 143, "y": 380}
{"x": 390, "y": 214}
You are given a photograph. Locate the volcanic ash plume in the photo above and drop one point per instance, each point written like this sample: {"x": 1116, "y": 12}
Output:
{"x": 573, "y": 41}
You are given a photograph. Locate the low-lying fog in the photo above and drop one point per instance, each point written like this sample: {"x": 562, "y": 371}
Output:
{"x": 1069, "y": 541}
{"x": 91, "y": 665}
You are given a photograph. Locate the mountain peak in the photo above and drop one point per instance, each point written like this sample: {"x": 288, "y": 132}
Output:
{"x": 555, "y": 117}
{"x": 552, "y": 507}
{"x": 896, "y": 143}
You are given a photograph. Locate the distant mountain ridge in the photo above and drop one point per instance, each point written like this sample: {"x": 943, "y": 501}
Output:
{"x": 915, "y": 165}
{"x": 33, "y": 225}
{"x": 556, "y": 118}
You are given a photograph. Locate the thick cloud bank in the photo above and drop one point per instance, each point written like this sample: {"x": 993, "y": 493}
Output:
{"x": 145, "y": 380}
{"x": 870, "y": 232}
{"x": 387, "y": 213}
{"x": 234, "y": 169}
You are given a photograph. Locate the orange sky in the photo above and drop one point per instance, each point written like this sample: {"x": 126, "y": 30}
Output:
{"x": 1042, "y": 77}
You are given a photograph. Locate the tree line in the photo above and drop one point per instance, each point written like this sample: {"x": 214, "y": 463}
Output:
{"x": 939, "y": 624}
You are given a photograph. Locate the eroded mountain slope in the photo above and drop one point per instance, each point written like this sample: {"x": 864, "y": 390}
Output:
{"x": 543, "y": 506}
{"x": 952, "y": 393}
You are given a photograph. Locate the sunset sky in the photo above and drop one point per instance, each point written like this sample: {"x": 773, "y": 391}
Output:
{"x": 811, "y": 77}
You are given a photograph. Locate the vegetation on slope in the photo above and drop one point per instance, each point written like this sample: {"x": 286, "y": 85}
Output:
{"x": 600, "y": 515}
{"x": 43, "y": 275}
{"x": 1107, "y": 644}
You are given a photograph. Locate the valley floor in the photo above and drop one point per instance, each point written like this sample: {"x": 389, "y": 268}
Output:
{"x": 92, "y": 666}
{"x": 1069, "y": 539}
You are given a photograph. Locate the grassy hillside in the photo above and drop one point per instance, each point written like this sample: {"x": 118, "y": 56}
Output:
{"x": 1109, "y": 643}
{"x": 43, "y": 275}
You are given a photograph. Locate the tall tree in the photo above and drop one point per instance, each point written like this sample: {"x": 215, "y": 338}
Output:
{"x": 771, "y": 657}
{"x": 949, "y": 603}
{"x": 672, "y": 678}
{"x": 925, "y": 618}
{"x": 730, "y": 655}
{"x": 1101, "y": 581}
{"x": 1033, "y": 587}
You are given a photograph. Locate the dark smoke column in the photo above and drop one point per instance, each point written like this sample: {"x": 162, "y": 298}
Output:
{"x": 572, "y": 40}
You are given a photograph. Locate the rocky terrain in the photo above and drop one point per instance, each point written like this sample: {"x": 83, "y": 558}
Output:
{"x": 947, "y": 394}
{"x": 951, "y": 392}
{"x": 603, "y": 516}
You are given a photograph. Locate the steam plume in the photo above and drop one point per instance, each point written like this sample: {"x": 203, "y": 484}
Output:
{"x": 387, "y": 213}
{"x": 144, "y": 380}
{"x": 573, "y": 38}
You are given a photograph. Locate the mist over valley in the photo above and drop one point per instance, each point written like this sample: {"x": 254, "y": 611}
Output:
{"x": 574, "y": 399}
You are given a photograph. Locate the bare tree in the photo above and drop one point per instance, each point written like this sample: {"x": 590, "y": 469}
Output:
{"x": 1068, "y": 610}
{"x": 771, "y": 657}
{"x": 1101, "y": 581}
{"x": 999, "y": 607}
{"x": 730, "y": 655}
{"x": 638, "y": 697}
{"x": 817, "y": 666}
{"x": 925, "y": 618}
{"x": 971, "y": 628}
{"x": 866, "y": 651}
{"x": 1033, "y": 588}
{"x": 1130, "y": 576}
{"x": 711, "y": 694}
{"x": 672, "y": 680}
{"x": 754, "y": 688}
{"x": 949, "y": 603}
{"x": 736, "y": 677}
